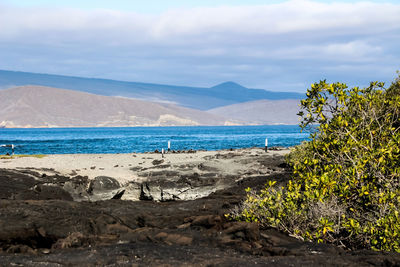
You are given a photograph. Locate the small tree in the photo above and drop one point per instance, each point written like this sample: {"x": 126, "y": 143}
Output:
{"x": 345, "y": 187}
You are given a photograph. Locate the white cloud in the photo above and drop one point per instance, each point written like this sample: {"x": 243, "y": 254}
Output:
{"x": 244, "y": 43}
{"x": 285, "y": 18}
{"x": 353, "y": 51}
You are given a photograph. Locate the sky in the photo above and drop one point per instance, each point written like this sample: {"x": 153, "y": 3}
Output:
{"x": 273, "y": 45}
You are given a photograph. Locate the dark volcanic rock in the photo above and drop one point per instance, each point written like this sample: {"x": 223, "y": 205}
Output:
{"x": 119, "y": 194}
{"x": 147, "y": 233}
{"x": 12, "y": 183}
{"x": 157, "y": 162}
{"x": 44, "y": 192}
{"x": 30, "y": 185}
{"x": 103, "y": 183}
{"x": 25, "y": 186}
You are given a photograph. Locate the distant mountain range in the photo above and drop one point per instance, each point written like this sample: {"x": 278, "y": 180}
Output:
{"x": 36, "y": 100}
{"x": 224, "y": 94}
{"x": 262, "y": 112}
{"x": 38, "y": 106}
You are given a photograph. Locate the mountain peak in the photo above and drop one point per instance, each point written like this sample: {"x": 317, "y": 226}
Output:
{"x": 229, "y": 85}
{"x": 193, "y": 97}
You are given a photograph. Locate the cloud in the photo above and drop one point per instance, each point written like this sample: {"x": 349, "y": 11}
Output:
{"x": 284, "y": 18}
{"x": 259, "y": 46}
{"x": 292, "y": 17}
{"x": 353, "y": 51}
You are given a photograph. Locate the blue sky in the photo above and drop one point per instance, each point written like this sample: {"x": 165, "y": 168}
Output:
{"x": 273, "y": 45}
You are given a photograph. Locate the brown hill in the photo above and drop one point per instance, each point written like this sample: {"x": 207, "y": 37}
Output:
{"x": 38, "y": 106}
{"x": 262, "y": 111}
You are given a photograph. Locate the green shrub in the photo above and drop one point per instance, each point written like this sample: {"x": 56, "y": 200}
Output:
{"x": 22, "y": 156}
{"x": 345, "y": 187}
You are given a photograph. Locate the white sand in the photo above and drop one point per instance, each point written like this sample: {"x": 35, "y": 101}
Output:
{"x": 119, "y": 166}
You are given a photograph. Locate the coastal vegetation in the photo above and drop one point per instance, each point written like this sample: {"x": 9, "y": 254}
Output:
{"x": 345, "y": 184}
{"x": 22, "y": 156}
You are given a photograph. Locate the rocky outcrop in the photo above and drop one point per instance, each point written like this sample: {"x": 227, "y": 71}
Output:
{"x": 147, "y": 233}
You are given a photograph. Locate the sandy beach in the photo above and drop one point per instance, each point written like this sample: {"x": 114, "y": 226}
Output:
{"x": 126, "y": 167}
{"x": 129, "y": 171}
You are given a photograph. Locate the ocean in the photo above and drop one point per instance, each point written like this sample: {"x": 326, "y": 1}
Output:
{"x": 146, "y": 139}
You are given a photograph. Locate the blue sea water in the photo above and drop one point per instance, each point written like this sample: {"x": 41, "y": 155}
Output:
{"x": 146, "y": 139}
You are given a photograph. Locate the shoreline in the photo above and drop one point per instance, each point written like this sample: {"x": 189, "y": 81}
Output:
{"x": 186, "y": 175}
{"x": 144, "y": 126}
{"x": 115, "y": 165}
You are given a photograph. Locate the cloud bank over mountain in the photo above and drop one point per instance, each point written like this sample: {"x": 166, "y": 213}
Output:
{"x": 283, "y": 46}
